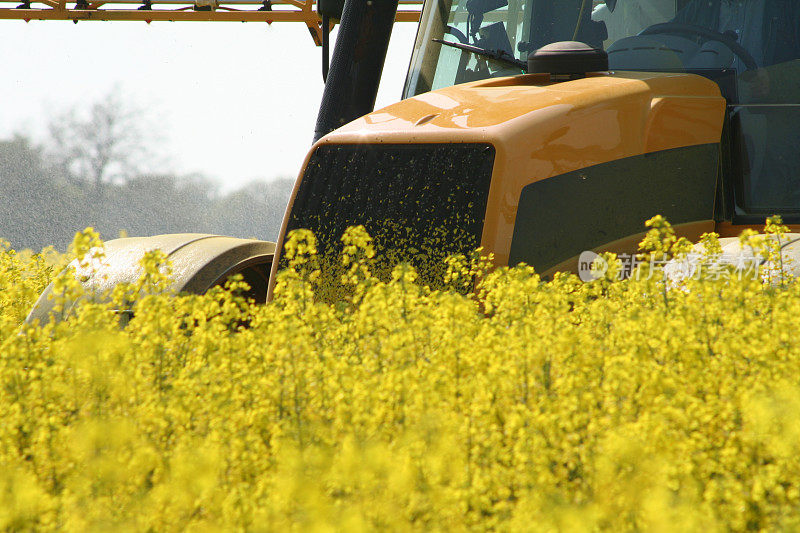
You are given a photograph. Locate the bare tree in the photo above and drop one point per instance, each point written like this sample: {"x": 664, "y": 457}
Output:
{"x": 104, "y": 144}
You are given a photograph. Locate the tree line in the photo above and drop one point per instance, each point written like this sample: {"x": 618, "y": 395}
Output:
{"x": 98, "y": 169}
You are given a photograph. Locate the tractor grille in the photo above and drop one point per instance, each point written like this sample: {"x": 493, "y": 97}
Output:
{"x": 420, "y": 203}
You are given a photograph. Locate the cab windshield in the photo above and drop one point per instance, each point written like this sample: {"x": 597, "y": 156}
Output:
{"x": 515, "y": 27}
{"x": 668, "y": 35}
{"x": 750, "y": 47}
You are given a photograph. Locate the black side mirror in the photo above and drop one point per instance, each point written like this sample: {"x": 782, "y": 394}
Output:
{"x": 330, "y": 8}
{"x": 481, "y": 7}
{"x": 477, "y": 9}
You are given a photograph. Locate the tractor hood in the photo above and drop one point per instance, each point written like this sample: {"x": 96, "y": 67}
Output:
{"x": 574, "y": 165}
{"x": 605, "y": 116}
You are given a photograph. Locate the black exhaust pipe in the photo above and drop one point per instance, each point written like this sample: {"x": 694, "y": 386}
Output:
{"x": 355, "y": 71}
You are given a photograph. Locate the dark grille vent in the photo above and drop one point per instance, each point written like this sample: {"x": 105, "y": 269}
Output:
{"x": 420, "y": 203}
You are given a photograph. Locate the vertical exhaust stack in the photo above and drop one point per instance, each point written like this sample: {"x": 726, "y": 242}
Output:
{"x": 357, "y": 63}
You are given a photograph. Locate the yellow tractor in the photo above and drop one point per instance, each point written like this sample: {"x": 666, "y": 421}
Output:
{"x": 540, "y": 129}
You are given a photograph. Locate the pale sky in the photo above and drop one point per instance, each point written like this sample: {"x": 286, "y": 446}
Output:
{"x": 233, "y": 101}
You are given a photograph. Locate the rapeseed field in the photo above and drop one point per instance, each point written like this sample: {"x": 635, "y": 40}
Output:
{"x": 505, "y": 402}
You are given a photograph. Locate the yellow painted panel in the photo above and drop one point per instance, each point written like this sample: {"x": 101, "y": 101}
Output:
{"x": 542, "y": 129}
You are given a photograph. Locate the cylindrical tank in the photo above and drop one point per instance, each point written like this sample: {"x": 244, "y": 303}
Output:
{"x": 199, "y": 262}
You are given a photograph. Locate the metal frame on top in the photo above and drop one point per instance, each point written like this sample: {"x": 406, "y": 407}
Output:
{"x": 148, "y": 11}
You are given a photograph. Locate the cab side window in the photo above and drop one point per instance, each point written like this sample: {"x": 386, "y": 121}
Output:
{"x": 766, "y": 117}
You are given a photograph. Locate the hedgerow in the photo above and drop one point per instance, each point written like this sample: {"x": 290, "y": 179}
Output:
{"x": 644, "y": 403}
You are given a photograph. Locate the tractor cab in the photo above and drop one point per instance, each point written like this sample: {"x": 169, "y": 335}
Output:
{"x": 750, "y": 48}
